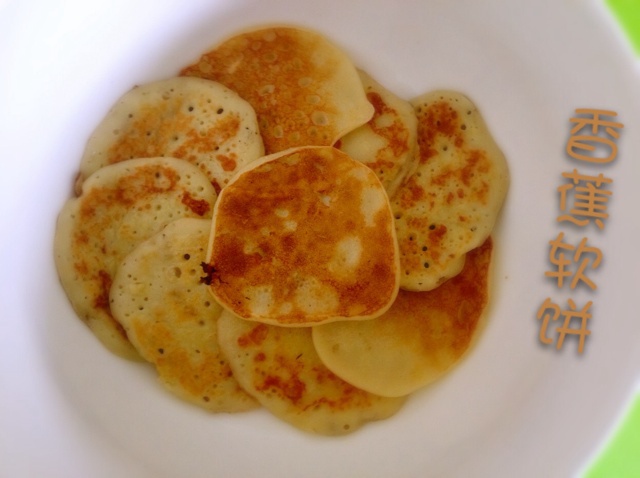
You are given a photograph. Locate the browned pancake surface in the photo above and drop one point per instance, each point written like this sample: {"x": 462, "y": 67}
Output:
{"x": 171, "y": 318}
{"x": 304, "y": 237}
{"x": 197, "y": 120}
{"x": 281, "y": 369}
{"x": 450, "y": 204}
{"x": 417, "y": 340}
{"x": 120, "y": 206}
{"x": 387, "y": 143}
{"x": 304, "y": 89}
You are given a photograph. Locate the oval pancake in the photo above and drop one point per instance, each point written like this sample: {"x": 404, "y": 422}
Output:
{"x": 387, "y": 143}
{"x": 171, "y": 318}
{"x": 193, "y": 119}
{"x": 280, "y": 368}
{"x": 120, "y": 206}
{"x": 304, "y": 237}
{"x": 304, "y": 89}
{"x": 450, "y": 204}
{"x": 417, "y": 341}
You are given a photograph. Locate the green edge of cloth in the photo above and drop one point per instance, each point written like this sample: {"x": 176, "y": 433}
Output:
{"x": 627, "y": 14}
{"x": 621, "y": 456}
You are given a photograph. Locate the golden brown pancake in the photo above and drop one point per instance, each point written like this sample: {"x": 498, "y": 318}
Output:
{"x": 280, "y": 368}
{"x": 193, "y": 119}
{"x": 304, "y": 237}
{"x": 120, "y": 206}
{"x": 417, "y": 341}
{"x": 450, "y": 204}
{"x": 387, "y": 143}
{"x": 171, "y": 318}
{"x": 304, "y": 89}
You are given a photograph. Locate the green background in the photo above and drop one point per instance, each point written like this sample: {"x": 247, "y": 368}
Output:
{"x": 620, "y": 458}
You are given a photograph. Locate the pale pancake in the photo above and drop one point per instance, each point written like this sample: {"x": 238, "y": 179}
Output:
{"x": 387, "y": 143}
{"x": 120, "y": 206}
{"x": 193, "y": 119}
{"x": 304, "y": 89}
{"x": 450, "y": 204}
{"x": 417, "y": 341}
{"x": 171, "y": 318}
{"x": 304, "y": 237}
{"x": 280, "y": 368}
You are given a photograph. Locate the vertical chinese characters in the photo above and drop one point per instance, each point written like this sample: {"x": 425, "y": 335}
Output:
{"x": 583, "y": 203}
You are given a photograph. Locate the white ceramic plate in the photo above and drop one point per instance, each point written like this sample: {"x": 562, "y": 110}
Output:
{"x": 514, "y": 408}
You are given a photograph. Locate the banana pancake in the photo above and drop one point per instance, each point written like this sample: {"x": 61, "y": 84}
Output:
{"x": 280, "y": 368}
{"x": 387, "y": 142}
{"x": 197, "y": 120}
{"x": 450, "y": 204}
{"x": 171, "y": 318}
{"x": 304, "y": 237}
{"x": 120, "y": 206}
{"x": 417, "y": 341}
{"x": 304, "y": 89}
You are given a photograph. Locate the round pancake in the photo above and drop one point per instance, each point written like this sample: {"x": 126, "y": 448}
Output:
{"x": 417, "y": 341}
{"x": 197, "y": 120}
{"x": 280, "y": 368}
{"x": 304, "y": 237}
{"x": 450, "y": 204}
{"x": 387, "y": 143}
{"x": 120, "y": 206}
{"x": 171, "y": 318}
{"x": 304, "y": 89}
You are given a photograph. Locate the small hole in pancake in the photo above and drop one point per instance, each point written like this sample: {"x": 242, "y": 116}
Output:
{"x": 319, "y": 118}
{"x": 463, "y": 127}
{"x": 432, "y": 227}
{"x": 160, "y": 351}
{"x": 220, "y": 111}
{"x": 426, "y": 265}
{"x": 424, "y": 248}
{"x": 190, "y": 108}
{"x": 186, "y": 257}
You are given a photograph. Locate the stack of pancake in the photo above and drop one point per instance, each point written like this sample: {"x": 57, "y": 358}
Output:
{"x": 274, "y": 228}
